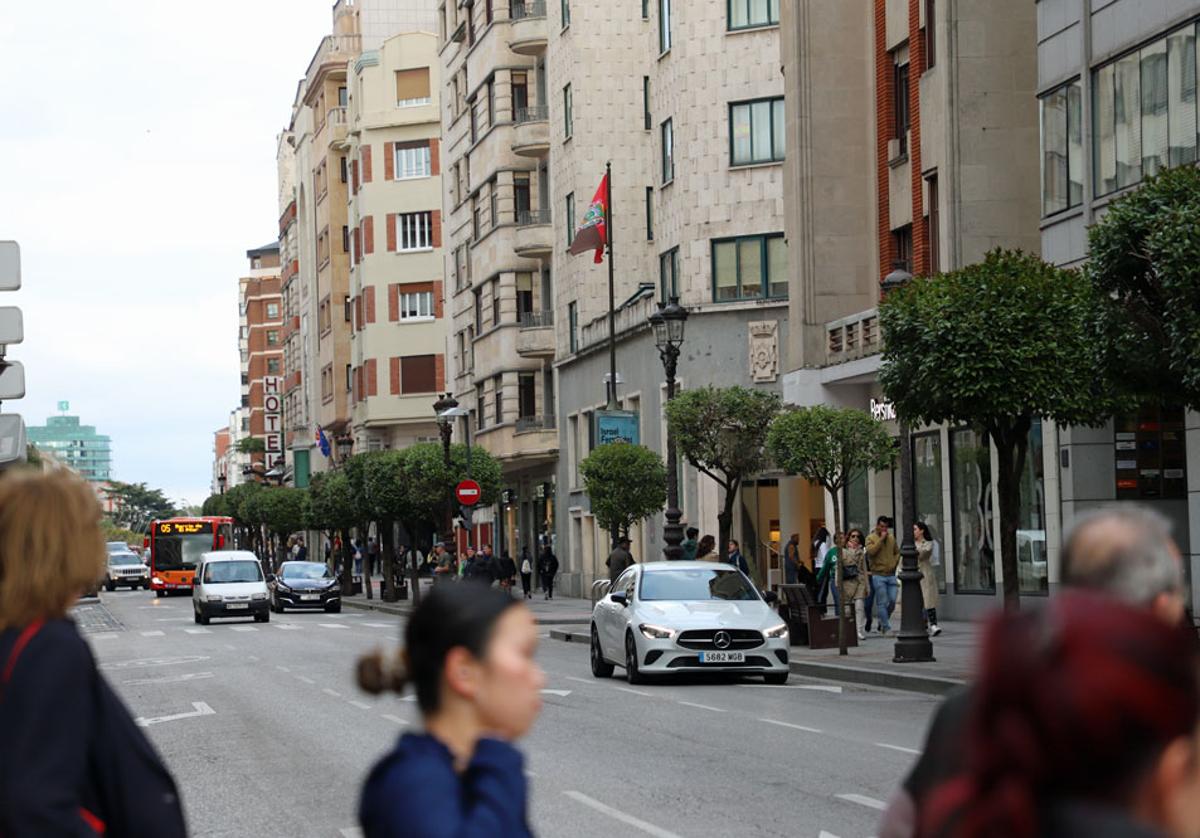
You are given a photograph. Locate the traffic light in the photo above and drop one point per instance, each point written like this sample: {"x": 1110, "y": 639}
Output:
{"x": 12, "y": 373}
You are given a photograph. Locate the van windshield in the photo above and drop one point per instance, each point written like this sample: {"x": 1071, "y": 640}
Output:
{"x": 218, "y": 572}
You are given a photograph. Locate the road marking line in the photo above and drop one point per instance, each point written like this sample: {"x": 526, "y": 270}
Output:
{"x": 898, "y": 748}
{"x": 815, "y": 687}
{"x": 333, "y": 693}
{"x": 617, "y": 814}
{"x": 245, "y": 628}
{"x": 700, "y": 706}
{"x": 171, "y": 679}
{"x": 580, "y": 680}
{"x": 198, "y": 631}
{"x": 825, "y": 834}
{"x": 202, "y": 709}
{"x": 106, "y": 636}
{"x": 306, "y": 680}
{"x": 396, "y": 719}
{"x": 351, "y": 832}
{"x": 361, "y": 705}
{"x": 792, "y": 726}
{"x": 380, "y": 625}
{"x": 282, "y": 668}
{"x": 331, "y": 625}
{"x": 287, "y": 626}
{"x": 635, "y": 692}
{"x": 863, "y": 800}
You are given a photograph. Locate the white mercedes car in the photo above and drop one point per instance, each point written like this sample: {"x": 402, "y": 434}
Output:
{"x": 667, "y": 617}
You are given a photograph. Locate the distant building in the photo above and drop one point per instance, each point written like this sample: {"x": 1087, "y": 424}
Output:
{"x": 76, "y": 446}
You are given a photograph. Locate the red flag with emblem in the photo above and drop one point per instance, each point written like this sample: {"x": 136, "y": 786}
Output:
{"x": 593, "y": 232}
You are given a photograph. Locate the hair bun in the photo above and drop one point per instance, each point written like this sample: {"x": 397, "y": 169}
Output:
{"x": 377, "y": 674}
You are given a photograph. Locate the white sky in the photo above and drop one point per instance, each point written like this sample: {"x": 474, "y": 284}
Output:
{"x": 137, "y": 167}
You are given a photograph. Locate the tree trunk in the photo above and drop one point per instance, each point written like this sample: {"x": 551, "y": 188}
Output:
{"x": 388, "y": 592}
{"x": 1011, "y": 445}
{"x": 347, "y": 564}
{"x": 414, "y": 572}
{"x": 725, "y": 519}
{"x": 840, "y": 608}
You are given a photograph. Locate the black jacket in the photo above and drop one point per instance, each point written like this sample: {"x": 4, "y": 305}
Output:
{"x": 68, "y": 744}
{"x": 548, "y": 564}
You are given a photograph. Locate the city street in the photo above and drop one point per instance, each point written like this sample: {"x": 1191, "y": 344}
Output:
{"x": 267, "y": 734}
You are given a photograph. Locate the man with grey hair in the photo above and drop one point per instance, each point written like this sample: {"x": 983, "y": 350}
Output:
{"x": 1123, "y": 551}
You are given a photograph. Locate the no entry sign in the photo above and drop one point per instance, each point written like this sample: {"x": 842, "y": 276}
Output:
{"x": 467, "y": 492}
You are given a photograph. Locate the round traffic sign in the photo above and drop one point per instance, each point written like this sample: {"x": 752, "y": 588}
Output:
{"x": 467, "y": 492}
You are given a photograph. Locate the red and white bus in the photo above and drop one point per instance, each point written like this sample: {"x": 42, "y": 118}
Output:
{"x": 176, "y": 545}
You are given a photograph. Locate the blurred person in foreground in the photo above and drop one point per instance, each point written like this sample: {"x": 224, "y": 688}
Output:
{"x": 72, "y": 760}
{"x": 1085, "y": 722}
{"x": 1125, "y": 552}
{"x": 469, "y": 656}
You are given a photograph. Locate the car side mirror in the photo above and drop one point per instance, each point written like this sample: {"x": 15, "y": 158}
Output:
{"x": 770, "y": 597}
{"x": 620, "y": 598}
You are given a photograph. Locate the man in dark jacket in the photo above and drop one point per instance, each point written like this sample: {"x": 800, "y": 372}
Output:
{"x": 548, "y": 567}
{"x": 690, "y": 544}
{"x": 619, "y": 559}
{"x": 736, "y": 558}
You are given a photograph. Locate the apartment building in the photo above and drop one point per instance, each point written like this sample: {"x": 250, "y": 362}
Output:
{"x": 220, "y": 468}
{"x": 1116, "y": 86}
{"x": 261, "y": 310}
{"x": 398, "y": 345}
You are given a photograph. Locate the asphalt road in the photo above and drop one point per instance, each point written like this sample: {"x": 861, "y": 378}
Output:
{"x": 268, "y": 736}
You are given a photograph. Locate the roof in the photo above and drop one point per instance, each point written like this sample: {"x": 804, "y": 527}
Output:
{"x": 229, "y": 555}
{"x": 681, "y": 565}
{"x": 271, "y": 247}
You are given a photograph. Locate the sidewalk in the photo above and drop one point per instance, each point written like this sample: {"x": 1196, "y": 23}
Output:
{"x": 560, "y": 611}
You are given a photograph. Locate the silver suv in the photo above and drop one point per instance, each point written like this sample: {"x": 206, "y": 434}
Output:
{"x": 125, "y": 568}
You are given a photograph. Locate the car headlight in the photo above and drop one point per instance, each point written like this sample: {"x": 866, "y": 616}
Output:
{"x": 156, "y": 581}
{"x": 653, "y": 632}
{"x": 258, "y": 596}
{"x": 279, "y": 586}
{"x": 213, "y": 598}
{"x": 780, "y": 630}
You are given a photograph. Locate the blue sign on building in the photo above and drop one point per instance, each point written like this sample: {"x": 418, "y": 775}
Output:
{"x": 612, "y": 425}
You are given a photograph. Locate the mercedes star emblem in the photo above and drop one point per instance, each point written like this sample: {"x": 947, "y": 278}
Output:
{"x": 722, "y": 640}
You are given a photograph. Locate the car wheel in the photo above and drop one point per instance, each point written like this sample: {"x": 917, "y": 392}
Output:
{"x": 262, "y": 618}
{"x": 334, "y": 609}
{"x": 776, "y": 678}
{"x": 205, "y": 619}
{"x": 196, "y": 615}
{"x": 110, "y": 586}
{"x": 145, "y": 586}
{"x": 161, "y": 594}
{"x": 632, "y": 674}
{"x": 600, "y": 667}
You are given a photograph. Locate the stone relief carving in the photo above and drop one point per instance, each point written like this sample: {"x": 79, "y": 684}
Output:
{"x": 764, "y": 350}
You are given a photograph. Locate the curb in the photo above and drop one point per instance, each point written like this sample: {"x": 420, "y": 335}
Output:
{"x": 406, "y": 611}
{"x": 887, "y": 679}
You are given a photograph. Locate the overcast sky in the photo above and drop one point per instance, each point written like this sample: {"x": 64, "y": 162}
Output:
{"x": 137, "y": 167}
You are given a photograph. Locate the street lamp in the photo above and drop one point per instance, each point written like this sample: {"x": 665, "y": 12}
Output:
{"x": 221, "y": 481}
{"x": 913, "y": 645}
{"x": 446, "y": 430}
{"x": 345, "y": 444}
{"x": 668, "y": 324}
{"x": 449, "y": 415}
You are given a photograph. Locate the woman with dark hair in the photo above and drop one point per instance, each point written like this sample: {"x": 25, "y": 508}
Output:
{"x": 927, "y": 557}
{"x": 707, "y": 550}
{"x": 1083, "y": 723}
{"x": 469, "y": 656}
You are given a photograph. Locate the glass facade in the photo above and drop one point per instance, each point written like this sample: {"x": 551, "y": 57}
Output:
{"x": 972, "y": 509}
{"x": 1062, "y": 148}
{"x": 927, "y": 493}
{"x": 76, "y": 446}
{"x": 856, "y": 506}
{"x": 1031, "y": 525}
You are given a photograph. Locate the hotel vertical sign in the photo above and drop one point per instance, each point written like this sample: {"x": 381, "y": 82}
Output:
{"x": 273, "y": 419}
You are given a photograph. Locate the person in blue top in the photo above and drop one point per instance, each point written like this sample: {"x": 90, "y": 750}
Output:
{"x": 469, "y": 655}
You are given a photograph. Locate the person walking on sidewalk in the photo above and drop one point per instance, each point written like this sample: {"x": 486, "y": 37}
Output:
{"x": 855, "y": 580}
{"x": 926, "y": 550}
{"x": 619, "y": 559}
{"x": 706, "y": 551}
{"x": 526, "y": 572}
{"x": 884, "y": 557}
{"x": 548, "y": 568}
{"x": 735, "y": 557}
{"x": 72, "y": 760}
{"x": 469, "y": 655}
{"x": 506, "y": 572}
{"x": 689, "y": 545}
{"x": 791, "y": 560}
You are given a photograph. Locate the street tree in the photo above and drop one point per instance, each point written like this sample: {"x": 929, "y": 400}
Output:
{"x": 721, "y": 432}
{"x": 284, "y": 510}
{"x": 830, "y": 446}
{"x": 251, "y": 445}
{"x": 355, "y": 469}
{"x": 331, "y": 505}
{"x": 135, "y": 505}
{"x": 238, "y": 506}
{"x": 994, "y": 345}
{"x": 216, "y": 505}
{"x": 1144, "y": 264}
{"x": 626, "y": 484}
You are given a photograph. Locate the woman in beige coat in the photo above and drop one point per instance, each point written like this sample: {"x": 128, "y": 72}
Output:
{"x": 855, "y": 583}
{"x": 926, "y": 548}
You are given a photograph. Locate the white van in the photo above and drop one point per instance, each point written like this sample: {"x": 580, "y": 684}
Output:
{"x": 229, "y": 583}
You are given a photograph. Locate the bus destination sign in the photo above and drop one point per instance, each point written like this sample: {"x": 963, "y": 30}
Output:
{"x": 182, "y": 527}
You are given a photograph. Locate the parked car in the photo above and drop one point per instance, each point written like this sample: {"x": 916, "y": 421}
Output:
{"x": 116, "y": 547}
{"x": 305, "y": 585}
{"x": 673, "y": 617}
{"x": 229, "y": 583}
{"x": 126, "y": 569}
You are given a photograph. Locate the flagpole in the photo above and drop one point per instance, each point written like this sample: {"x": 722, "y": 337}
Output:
{"x": 612, "y": 308}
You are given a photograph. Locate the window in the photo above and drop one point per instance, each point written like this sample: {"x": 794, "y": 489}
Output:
{"x": 479, "y": 407}
{"x": 526, "y": 395}
{"x": 750, "y": 268}
{"x": 343, "y": 169}
{"x": 418, "y": 374}
{"x": 412, "y": 87}
{"x": 521, "y": 195}
{"x": 347, "y": 309}
{"x": 478, "y": 310}
{"x": 1031, "y": 524}
{"x": 273, "y": 366}
{"x": 900, "y": 100}
{"x": 524, "y": 294}
{"x": 272, "y": 311}
{"x": 1062, "y": 148}
{"x": 412, "y": 160}
{"x": 566, "y": 12}
{"x": 933, "y": 226}
{"x": 902, "y": 245}
{"x": 746, "y": 14}
{"x": 570, "y": 217}
{"x": 488, "y": 13}
{"x": 668, "y": 274}
{"x": 668, "y": 152}
{"x": 498, "y": 395}
{"x": 927, "y": 493}
{"x": 1144, "y": 112}
{"x": 971, "y": 508}
{"x": 343, "y": 97}
{"x": 349, "y": 377}
{"x": 649, "y": 213}
{"x": 930, "y": 40}
{"x": 519, "y": 82}
{"x": 568, "y": 118}
{"x": 645, "y": 9}
{"x": 345, "y": 239}
{"x": 416, "y": 305}
{"x": 496, "y": 302}
{"x": 646, "y": 103}
{"x": 573, "y": 326}
{"x": 416, "y": 230}
{"x": 756, "y": 131}
{"x": 272, "y": 337}
{"x": 664, "y": 25}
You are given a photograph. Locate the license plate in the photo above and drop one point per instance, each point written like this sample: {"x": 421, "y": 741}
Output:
{"x": 722, "y": 657}
{"x": 230, "y": 606}
{"x": 310, "y": 597}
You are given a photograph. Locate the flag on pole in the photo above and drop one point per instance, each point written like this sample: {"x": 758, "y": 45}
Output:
{"x": 322, "y": 441}
{"x": 593, "y": 232}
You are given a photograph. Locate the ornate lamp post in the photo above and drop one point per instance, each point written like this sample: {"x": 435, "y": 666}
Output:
{"x": 221, "y": 481}
{"x": 668, "y": 323}
{"x": 446, "y": 430}
{"x": 344, "y": 444}
{"x": 913, "y": 645}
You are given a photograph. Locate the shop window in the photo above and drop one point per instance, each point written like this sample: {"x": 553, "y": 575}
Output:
{"x": 927, "y": 494}
{"x": 1031, "y": 525}
{"x": 971, "y": 507}
{"x": 857, "y": 503}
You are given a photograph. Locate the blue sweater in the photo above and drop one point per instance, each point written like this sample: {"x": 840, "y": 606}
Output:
{"x": 415, "y": 792}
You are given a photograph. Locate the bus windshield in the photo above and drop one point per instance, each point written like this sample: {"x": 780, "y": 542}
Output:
{"x": 179, "y": 545}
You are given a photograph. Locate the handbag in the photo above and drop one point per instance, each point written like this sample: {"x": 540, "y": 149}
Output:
{"x": 849, "y": 571}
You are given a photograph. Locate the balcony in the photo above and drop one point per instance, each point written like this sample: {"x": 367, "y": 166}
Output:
{"x": 335, "y": 123}
{"x": 525, "y": 424}
{"x": 528, "y": 32}
{"x": 852, "y": 337}
{"x": 535, "y": 236}
{"x": 531, "y": 131}
{"x": 535, "y": 339}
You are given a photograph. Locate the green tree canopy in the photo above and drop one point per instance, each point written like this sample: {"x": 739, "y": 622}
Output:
{"x": 135, "y": 505}
{"x": 237, "y": 503}
{"x": 994, "y": 345}
{"x": 722, "y": 432}
{"x": 251, "y": 445}
{"x": 1144, "y": 263}
{"x": 331, "y": 504}
{"x": 284, "y": 510}
{"x": 412, "y": 485}
{"x": 215, "y": 505}
{"x": 626, "y": 483}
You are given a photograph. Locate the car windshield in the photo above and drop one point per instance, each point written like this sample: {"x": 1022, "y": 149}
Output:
{"x": 305, "y": 570}
{"x": 123, "y": 558}
{"x": 117, "y": 546}
{"x": 697, "y": 584}
{"x": 218, "y": 572}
